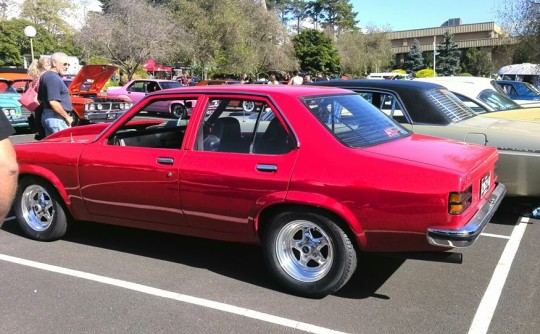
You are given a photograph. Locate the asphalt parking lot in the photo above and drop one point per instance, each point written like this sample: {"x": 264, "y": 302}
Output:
{"x": 107, "y": 279}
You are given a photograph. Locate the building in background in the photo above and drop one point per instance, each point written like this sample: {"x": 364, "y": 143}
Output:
{"x": 487, "y": 36}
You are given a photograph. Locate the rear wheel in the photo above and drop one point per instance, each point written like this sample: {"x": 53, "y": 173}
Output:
{"x": 178, "y": 111}
{"x": 308, "y": 253}
{"x": 39, "y": 210}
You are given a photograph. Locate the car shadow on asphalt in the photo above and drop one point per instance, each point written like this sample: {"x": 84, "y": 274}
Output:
{"x": 512, "y": 209}
{"x": 238, "y": 261}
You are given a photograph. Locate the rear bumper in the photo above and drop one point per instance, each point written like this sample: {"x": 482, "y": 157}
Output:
{"x": 468, "y": 234}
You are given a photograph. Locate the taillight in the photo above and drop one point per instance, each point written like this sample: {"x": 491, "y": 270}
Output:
{"x": 459, "y": 202}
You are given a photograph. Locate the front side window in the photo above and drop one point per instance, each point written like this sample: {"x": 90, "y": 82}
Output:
{"x": 354, "y": 121}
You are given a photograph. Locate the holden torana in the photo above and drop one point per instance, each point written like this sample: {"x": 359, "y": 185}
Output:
{"x": 315, "y": 176}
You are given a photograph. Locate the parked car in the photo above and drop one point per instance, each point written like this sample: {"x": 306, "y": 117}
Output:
{"x": 482, "y": 93}
{"x": 429, "y": 108}
{"x": 519, "y": 91}
{"x": 137, "y": 89}
{"x": 329, "y": 176}
{"x": 9, "y": 102}
{"x": 89, "y": 104}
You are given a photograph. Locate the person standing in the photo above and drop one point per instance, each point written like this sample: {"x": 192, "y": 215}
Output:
{"x": 296, "y": 79}
{"x": 54, "y": 96}
{"x": 273, "y": 80}
{"x": 8, "y": 168}
{"x": 36, "y": 69}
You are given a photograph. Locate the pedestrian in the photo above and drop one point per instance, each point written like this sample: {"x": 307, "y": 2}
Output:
{"x": 8, "y": 168}
{"x": 244, "y": 79}
{"x": 36, "y": 69}
{"x": 54, "y": 96}
{"x": 273, "y": 80}
{"x": 296, "y": 79}
{"x": 307, "y": 79}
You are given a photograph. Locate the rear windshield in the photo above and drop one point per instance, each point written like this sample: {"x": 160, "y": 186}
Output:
{"x": 353, "y": 120}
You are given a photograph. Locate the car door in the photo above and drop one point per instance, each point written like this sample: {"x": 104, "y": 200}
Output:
{"x": 132, "y": 177}
{"x": 223, "y": 180}
{"x": 137, "y": 90}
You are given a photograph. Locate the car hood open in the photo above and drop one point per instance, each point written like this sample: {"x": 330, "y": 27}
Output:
{"x": 94, "y": 75}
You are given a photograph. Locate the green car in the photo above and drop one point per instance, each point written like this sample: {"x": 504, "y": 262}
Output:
{"x": 10, "y": 105}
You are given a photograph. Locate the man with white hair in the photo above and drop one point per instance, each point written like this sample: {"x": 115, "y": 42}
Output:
{"x": 54, "y": 96}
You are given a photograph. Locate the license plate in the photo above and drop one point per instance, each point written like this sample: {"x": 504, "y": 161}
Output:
{"x": 485, "y": 184}
{"x": 111, "y": 116}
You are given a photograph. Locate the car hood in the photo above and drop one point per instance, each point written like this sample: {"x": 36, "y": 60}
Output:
{"x": 98, "y": 75}
{"x": 503, "y": 134}
{"x": 87, "y": 133}
{"x": 446, "y": 154}
{"x": 10, "y": 99}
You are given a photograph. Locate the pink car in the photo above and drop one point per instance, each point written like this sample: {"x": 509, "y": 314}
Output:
{"x": 316, "y": 176}
{"x": 135, "y": 90}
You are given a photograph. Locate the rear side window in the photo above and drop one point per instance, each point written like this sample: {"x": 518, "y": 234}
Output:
{"x": 353, "y": 120}
{"x": 450, "y": 105}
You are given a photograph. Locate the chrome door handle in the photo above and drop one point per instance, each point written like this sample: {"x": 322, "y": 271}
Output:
{"x": 165, "y": 161}
{"x": 267, "y": 168}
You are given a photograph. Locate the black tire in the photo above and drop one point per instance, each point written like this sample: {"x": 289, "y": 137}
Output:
{"x": 308, "y": 253}
{"x": 39, "y": 210}
{"x": 178, "y": 111}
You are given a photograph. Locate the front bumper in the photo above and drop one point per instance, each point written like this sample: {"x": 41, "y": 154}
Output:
{"x": 468, "y": 234}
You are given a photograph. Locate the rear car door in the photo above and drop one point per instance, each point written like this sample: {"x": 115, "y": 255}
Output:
{"x": 236, "y": 166}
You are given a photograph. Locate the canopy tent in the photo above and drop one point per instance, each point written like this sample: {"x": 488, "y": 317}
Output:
{"x": 151, "y": 66}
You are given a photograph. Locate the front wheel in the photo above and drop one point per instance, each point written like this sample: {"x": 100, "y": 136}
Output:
{"x": 308, "y": 253}
{"x": 179, "y": 111}
{"x": 39, "y": 210}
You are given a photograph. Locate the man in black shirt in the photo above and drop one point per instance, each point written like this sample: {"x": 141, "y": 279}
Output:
{"x": 8, "y": 168}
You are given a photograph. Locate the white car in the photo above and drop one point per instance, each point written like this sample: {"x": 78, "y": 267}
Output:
{"x": 481, "y": 94}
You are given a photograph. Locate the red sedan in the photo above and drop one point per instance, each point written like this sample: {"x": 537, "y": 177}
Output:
{"x": 315, "y": 175}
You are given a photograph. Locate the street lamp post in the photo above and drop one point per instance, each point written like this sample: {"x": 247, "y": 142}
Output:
{"x": 30, "y": 32}
{"x": 434, "y": 53}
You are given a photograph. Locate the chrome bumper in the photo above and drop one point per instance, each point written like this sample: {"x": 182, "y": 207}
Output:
{"x": 102, "y": 116}
{"x": 468, "y": 234}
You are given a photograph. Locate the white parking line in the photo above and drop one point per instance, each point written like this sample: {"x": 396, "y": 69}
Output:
{"x": 495, "y": 236}
{"x": 488, "y": 304}
{"x": 302, "y": 326}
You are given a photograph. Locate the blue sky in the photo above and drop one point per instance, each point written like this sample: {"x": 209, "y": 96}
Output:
{"x": 417, "y": 14}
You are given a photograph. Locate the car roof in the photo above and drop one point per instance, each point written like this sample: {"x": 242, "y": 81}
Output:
{"x": 299, "y": 90}
{"x": 397, "y": 85}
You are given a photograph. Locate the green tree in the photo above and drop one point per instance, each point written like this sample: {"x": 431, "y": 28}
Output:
{"x": 362, "y": 53}
{"x": 415, "y": 60}
{"x": 14, "y": 44}
{"x": 477, "y": 63}
{"x": 316, "y": 52}
{"x": 337, "y": 15}
{"x": 48, "y": 14}
{"x": 298, "y": 9}
{"x": 448, "y": 59}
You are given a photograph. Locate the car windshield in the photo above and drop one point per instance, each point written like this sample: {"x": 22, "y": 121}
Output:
{"x": 353, "y": 120}
{"x": 170, "y": 84}
{"x": 497, "y": 101}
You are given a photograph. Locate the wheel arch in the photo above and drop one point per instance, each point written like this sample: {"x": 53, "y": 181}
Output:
{"x": 268, "y": 213}
{"x": 48, "y": 177}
